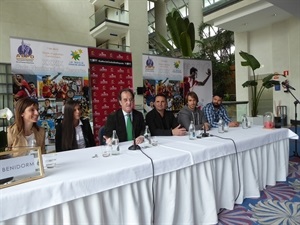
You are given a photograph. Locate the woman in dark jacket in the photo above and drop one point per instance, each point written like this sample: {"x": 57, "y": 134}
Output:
{"x": 73, "y": 132}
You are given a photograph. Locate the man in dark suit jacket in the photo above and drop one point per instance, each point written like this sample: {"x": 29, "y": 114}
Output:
{"x": 117, "y": 120}
{"x": 162, "y": 122}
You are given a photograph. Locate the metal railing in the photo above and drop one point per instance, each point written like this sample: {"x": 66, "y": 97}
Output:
{"x": 108, "y": 13}
{"x": 116, "y": 47}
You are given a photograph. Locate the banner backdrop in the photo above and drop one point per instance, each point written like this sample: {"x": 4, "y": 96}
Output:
{"x": 174, "y": 78}
{"x": 44, "y": 58}
{"x": 110, "y": 71}
{"x": 198, "y": 78}
{"x": 50, "y": 73}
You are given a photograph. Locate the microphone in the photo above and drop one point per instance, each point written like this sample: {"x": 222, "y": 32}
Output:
{"x": 286, "y": 85}
{"x": 204, "y": 134}
{"x": 134, "y": 146}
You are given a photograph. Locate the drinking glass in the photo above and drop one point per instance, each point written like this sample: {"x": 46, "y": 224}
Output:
{"x": 106, "y": 150}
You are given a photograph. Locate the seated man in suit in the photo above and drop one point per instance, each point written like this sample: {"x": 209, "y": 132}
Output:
{"x": 128, "y": 122}
{"x": 162, "y": 122}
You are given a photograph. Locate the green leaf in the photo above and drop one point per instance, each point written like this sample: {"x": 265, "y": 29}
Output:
{"x": 165, "y": 42}
{"x": 249, "y": 83}
{"x": 270, "y": 83}
{"x": 185, "y": 41}
{"x": 250, "y": 60}
{"x": 268, "y": 78}
{"x": 181, "y": 26}
{"x": 191, "y": 32}
{"x": 173, "y": 30}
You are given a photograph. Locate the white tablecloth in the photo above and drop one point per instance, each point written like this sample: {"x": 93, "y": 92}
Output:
{"x": 194, "y": 179}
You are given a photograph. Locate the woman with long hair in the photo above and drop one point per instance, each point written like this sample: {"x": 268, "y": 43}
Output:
{"x": 25, "y": 131}
{"x": 73, "y": 132}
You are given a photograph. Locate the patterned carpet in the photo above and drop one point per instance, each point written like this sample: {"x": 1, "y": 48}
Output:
{"x": 279, "y": 204}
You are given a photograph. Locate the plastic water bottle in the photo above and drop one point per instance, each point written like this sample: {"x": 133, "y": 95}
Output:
{"x": 244, "y": 122}
{"x": 115, "y": 150}
{"x": 192, "y": 131}
{"x": 221, "y": 125}
{"x": 147, "y": 134}
{"x": 34, "y": 153}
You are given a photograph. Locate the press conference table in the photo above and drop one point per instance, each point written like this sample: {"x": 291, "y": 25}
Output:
{"x": 194, "y": 179}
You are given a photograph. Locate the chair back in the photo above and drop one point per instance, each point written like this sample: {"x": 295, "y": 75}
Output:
{"x": 100, "y": 136}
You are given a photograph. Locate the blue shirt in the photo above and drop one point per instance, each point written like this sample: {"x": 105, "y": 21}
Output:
{"x": 213, "y": 114}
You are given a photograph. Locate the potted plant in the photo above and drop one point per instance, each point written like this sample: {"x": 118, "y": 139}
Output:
{"x": 252, "y": 83}
{"x": 182, "y": 33}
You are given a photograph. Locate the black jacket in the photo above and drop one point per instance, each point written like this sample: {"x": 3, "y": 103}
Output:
{"x": 161, "y": 126}
{"x": 87, "y": 133}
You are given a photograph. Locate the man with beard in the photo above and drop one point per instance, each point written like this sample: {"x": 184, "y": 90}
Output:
{"x": 215, "y": 110}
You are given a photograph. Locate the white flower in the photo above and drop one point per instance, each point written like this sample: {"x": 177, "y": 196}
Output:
{"x": 6, "y": 113}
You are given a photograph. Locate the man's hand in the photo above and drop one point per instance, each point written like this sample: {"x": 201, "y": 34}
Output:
{"x": 234, "y": 124}
{"x": 107, "y": 140}
{"x": 139, "y": 140}
{"x": 177, "y": 131}
{"x": 206, "y": 126}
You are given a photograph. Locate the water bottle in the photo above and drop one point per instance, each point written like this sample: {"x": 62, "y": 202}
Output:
{"x": 192, "y": 131}
{"x": 147, "y": 134}
{"x": 34, "y": 153}
{"x": 244, "y": 122}
{"x": 221, "y": 125}
{"x": 115, "y": 150}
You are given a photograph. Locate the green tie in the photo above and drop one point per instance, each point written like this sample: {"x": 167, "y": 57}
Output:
{"x": 129, "y": 128}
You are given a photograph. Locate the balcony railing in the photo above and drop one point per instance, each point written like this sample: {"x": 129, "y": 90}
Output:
{"x": 116, "y": 47}
{"x": 109, "y": 14}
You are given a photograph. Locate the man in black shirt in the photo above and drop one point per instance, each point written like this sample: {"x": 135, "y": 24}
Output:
{"x": 162, "y": 122}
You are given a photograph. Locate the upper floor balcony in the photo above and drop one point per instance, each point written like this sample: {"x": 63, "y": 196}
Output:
{"x": 109, "y": 22}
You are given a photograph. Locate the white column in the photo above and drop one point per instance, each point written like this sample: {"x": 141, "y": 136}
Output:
{"x": 196, "y": 17}
{"x": 241, "y": 41}
{"x": 138, "y": 36}
{"x": 160, "y": 17}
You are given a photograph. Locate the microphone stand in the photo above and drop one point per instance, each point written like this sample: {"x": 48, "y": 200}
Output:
{"x": 134, "y": 146}
{"x": 295, "y": 103}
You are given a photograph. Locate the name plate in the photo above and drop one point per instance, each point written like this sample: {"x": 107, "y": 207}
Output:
{"x": 17, "y": 166}
{"x": 20, "y": 165}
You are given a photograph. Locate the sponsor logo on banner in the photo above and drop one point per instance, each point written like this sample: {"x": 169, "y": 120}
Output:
{"x": 94, "y": 75}
{"x": 97, "y": 126}
{"x": 111, "y": 76}
{"x": 75, "y": 56}
{"x": 94, "y": 88}
{"x": 104, "y": 94}
{"x": 105, "y": 106}
{"x": 95, "y": 100}
{"x": 24, "y": 53}
{"x": 121, "y": 82}
{"x": 102, "y": 54}
{"x": 120, "y": 71}
{"x": 103, "y": 82}
{"x": 120, "y": 56}
{"x": 128, "y": 77}
{"x": 114, "y": 100}
{"x": 102, "y": 69}
{"x": 96, "y": 113}
{"x": 113, "y": 88}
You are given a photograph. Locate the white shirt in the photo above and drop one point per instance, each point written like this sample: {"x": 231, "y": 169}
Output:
{"x": 31, "y": 142}
{"x": 79, "y": 136}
